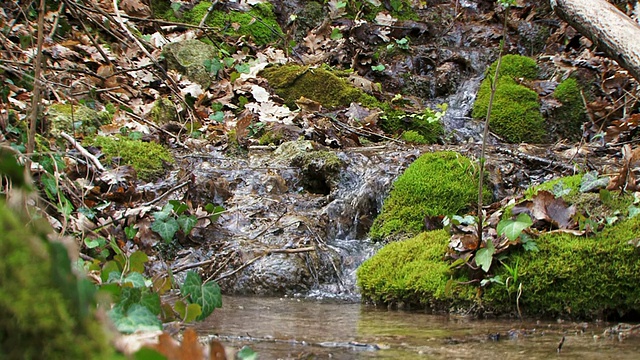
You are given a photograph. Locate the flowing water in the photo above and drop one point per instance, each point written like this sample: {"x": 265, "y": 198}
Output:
{"x": 284, "y": 328}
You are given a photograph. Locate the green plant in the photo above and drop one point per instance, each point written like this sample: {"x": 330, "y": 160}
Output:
{"x": 173, "y": 218}
{"x": 147, "y": 158}
{"x": 439, "y": 183}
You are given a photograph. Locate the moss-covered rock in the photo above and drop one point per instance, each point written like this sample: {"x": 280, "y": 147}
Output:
{"x": 147, "y": 158}
{"x": 188, "y": 57}
{"x": 42, "y": 313}
{"x": 414, "y": 272}
{"x": 294, "y": 81}
{"x": 570, "y": 276}
{"x": 569, "y": 117}
{"x": 163, "y": 111}
{"x": 259, "y": 22}
{"x": 439, "y": 183}
{"x": 585, "y": 277}
{"x": 515, "y": 115}
{"x": 75, "y": 119}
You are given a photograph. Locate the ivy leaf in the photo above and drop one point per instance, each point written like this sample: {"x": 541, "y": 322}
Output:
{"x": 187, "y": 222}
{"x": 484, "y": 256}
{"x": 187, "y": 312}
{"x": 590, "y": 182}
{"x": 136, "y": 318}
{"x": 217, "y": 116}
{"x": 208, "y": 296}
{"x": 130, "y": 232}
{"x": 513, "y": 228}
{"x": 243, "y": 68}
{"x": 336, "y": 34}
{"x": 178, "y": 206}
{"x": 164, "y": 213}
{"x": 137, "y": 261}
{"x": 166, "y": 228}
{"x": 151, "y": 301}
{"x": 214, "y": 210}
{"x": 136, "y": 279}
{"x": 246, "y": 353}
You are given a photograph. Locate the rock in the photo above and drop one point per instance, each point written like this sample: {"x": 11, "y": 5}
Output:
{"x": 75, "y": 119}
{"x": 188, "y": 57}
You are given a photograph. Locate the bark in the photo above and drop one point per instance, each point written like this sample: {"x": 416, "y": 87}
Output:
{"x": 607, "y": 27}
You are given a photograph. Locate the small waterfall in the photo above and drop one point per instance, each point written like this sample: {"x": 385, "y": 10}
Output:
{"x": 458, "y": 124}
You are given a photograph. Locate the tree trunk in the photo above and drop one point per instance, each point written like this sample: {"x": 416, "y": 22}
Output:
{"x": 607, "y": 27}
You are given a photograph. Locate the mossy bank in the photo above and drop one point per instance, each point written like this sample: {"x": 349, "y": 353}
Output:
{"x": 436, "y": 184}
{"x": 584, "y": 277}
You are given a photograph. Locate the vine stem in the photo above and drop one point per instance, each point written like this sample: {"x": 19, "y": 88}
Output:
{"x": 485, "y": 133}
{"x": 37, "y": 86}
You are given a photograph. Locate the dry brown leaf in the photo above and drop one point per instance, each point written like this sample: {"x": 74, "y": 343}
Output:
{"x": 135, "y": 8}
{"x": 216, "y": 351}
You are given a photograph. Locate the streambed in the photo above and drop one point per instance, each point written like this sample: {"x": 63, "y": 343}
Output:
{"x": 286, "y": 328}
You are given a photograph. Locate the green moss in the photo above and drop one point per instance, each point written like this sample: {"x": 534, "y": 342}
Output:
{"x": 147, "y": 158}
{"x": 426, "y": 124}
{"x": 259, "y": 23}
{"x": 572, "y": 113}
{"x": 440, "y": 183}
{"x": 293, "y": 81}
{"x": 413, "y": 271}
{"x": 577, "y": 276}
{"x": 163, "y": 111}
{"x": 413, "y": 137}
{"x": 41, "y": 315}
{"x": 75, "y": 119}
{"x": 571, "y": 183}
{"x": 515, "y": 115}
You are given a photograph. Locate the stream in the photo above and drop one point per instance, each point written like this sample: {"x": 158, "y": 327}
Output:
{"x": 286, "y": 328}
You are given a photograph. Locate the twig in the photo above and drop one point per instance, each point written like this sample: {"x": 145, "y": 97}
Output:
{"x": 268, "y": 252}
{"x": 37, "y": 90}
{"x": 174, "y": 87}
{"x": 55, "y": 22}
{"x": 362, "y": 132}
{"x": 191, "y": 266}
{"x": 166, "y": 193}
{"x": 537, "y": 159}
{"x": 209, "y": 11}
{"x": 88, "y": 33}
{"x": 150, "y": 123}
{"x": 83, "y": 151}
{"x": 269, "y": 226}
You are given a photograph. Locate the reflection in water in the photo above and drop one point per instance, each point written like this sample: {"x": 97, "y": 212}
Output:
{"x": 296, "y": 329}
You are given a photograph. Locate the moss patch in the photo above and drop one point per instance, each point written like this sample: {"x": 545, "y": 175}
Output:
{"x": 577, "y": 277}
{"x": 440, "y": 183}
{"x": 147, "y": 158}
{"x": 422, "y": 128}
{"x": 259, "y": 23}
{"x": 163, "y": 111}
{"x": 413, "y": 271}
{"x": 572, "y": 113}
{"x": 515, "y": 115}
{"x": 75, "y": 119}
{"x": 40, "y": 312}
{"x": 293, "y": 81}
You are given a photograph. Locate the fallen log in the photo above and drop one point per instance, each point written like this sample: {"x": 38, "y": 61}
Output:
{"x": 607, "y": 27}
